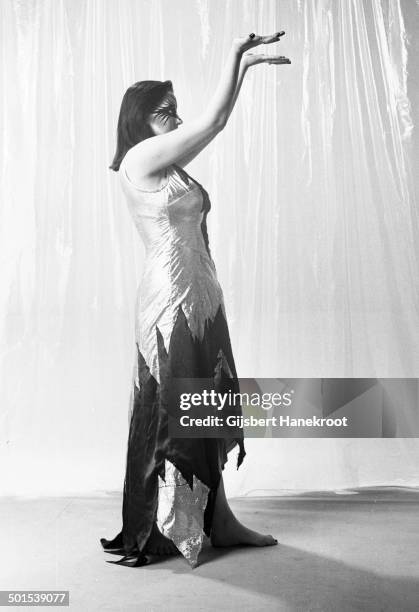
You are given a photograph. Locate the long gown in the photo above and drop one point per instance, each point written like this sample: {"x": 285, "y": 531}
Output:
{"x": 180, "y": 331}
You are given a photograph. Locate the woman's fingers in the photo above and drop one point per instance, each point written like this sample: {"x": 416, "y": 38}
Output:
{"x": 265, "y": 40}
{"x": 272, "y": 38}
{"x": 253, "y": 40}
{"x": 280, "y": 61}
{"x": 277, "y": 59}
{"x": 252, "y": 59}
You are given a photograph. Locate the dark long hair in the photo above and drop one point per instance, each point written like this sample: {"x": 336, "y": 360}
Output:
{"x": 138, "y": 102}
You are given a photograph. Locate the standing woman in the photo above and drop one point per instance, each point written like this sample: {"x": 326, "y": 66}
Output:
{"x": 173, "y": 488}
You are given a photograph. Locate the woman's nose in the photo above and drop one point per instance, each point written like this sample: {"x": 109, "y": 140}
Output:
{"x": 179, "y": 120}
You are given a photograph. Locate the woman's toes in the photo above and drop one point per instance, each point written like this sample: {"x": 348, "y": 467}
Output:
{"x": 263, "y": 540}
{"x": 239, "y": 534}
{"x": 268, "y": 540}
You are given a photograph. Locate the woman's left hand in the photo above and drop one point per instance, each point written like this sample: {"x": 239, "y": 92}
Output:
{"x": 251, "y": 59}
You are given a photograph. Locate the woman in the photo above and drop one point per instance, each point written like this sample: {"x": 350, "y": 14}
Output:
{"x": 173, "y": 489}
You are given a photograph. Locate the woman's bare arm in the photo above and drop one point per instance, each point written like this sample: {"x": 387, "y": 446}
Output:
{"x": 186, "y": 159}
{"x": 154, "y": 154}
{"x": 252, "y": 59}
{"x": 247, "y": 61}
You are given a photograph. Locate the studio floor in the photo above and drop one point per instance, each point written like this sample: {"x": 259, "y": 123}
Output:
{"x": 353, "y": 549}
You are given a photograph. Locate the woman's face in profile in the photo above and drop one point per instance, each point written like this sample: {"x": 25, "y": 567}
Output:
{"x": 165, "y": 118}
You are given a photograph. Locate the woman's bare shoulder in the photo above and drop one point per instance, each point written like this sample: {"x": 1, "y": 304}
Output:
{"x": 141, "y": 179}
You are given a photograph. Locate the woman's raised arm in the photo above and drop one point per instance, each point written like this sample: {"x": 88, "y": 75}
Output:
{"x": 158, "y": 152}
{"x": 186, "y": 159}
{"x": 247, "y": 60}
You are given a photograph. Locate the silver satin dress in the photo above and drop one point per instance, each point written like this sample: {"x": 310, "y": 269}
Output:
{"x": 180, "y": 331}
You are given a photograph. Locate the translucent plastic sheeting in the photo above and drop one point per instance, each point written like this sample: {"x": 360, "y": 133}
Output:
{"x": 313, "y": 227}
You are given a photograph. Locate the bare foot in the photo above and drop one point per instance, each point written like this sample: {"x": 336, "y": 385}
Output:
{"x": 158, "y": 544}
{"x": 230, "y": 532}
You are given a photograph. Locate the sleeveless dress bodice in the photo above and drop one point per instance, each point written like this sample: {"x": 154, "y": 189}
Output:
{"x": 178, "y": 269}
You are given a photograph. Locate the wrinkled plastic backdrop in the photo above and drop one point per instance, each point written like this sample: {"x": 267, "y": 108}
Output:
{"x": 313, "y": 228}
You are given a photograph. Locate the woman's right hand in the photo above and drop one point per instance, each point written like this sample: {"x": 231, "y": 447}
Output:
{"x": 245, "y": 43}
{"x": 252, "y": 59}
